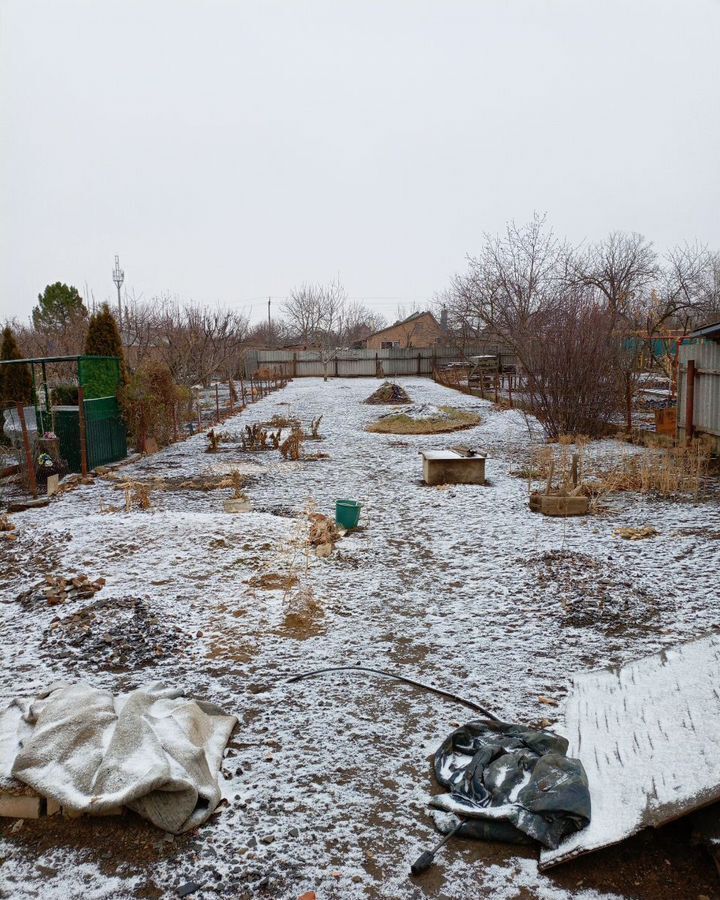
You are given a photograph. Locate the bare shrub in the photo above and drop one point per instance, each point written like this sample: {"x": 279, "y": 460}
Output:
{"x": 150, "y": 401}
{"x": 573, "y": 367}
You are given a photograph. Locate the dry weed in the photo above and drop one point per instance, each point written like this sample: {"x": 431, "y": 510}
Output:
{"x": 637, "y": 534}
{"x": 137, "y": 495}
{"x": 303, "y": 614}
{"x": 666, "y": 472}
{"x": 290, "y": 447}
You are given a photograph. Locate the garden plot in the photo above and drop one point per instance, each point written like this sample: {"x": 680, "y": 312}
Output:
{"x": 460, "y": 586}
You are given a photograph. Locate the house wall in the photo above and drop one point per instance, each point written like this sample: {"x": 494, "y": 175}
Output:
{"x": 418, "y": 333}
{"x": 706, "y": 408}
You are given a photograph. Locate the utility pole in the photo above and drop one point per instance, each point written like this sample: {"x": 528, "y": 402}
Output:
{"x": 269, "y": 322}
{"x": 118, "y": 277}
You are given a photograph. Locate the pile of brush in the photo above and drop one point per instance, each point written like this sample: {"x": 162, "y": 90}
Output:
{"x": 389, "y": 393}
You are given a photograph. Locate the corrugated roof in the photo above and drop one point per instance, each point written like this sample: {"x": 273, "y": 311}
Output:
{"x": 711, "y": 331}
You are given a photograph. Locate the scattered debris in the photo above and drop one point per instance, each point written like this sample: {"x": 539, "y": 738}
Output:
{"x": 114, "y": 634}
{"x": 388, "y": 392}
{"x": 55, "y": 590}
{"x": 322, "y": 531}
{"x": 637, "y": 534}
{"x": 547, "y": 701}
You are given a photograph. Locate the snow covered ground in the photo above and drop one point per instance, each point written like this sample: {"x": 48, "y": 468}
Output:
{"x": 327, "y": 779}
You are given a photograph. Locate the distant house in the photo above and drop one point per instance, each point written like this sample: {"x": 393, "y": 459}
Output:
{"x": 418, "y": 331}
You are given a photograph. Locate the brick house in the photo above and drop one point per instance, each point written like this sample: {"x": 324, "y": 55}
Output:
{"x": 418, "y": 331}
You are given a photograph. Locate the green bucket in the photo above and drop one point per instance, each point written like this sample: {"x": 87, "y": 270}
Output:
{"x": 347, "y": 513}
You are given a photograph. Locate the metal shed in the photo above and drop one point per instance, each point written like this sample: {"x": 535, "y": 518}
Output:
{"x": 699, "y": 385}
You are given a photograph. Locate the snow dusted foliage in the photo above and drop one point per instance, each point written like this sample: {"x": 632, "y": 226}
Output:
{"x": 327, "y": 780}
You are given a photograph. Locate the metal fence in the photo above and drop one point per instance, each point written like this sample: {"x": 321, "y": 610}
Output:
{"x": 703, "y": 356}
{"x": 360, "y": 363}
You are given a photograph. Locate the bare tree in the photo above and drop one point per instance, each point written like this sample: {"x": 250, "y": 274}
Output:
{"x": 316, "y": 313}
{"x": 521, "y": 291}
{"x": 198, "y": 342}
{"x": 359, "y": 322}
{"x": 621, "y": 269}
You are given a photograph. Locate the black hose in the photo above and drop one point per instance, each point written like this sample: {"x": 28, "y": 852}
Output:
{"x": 427, "y": 687}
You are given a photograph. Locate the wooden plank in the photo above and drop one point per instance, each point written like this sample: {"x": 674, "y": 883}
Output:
{"x": 647, "y": 734}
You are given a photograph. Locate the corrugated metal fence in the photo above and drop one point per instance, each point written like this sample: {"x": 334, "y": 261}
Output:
{"x": 706, "y": 406}
{"x": 354, "y": 363}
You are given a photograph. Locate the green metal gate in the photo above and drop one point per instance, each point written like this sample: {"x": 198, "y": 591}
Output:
{"x": 105, "y": 432}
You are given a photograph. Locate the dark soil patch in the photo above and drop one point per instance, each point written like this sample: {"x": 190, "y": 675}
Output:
{"x": 591, "y": 597}
{"x": 273, "y": 581}
{"x": 114, "y": 635}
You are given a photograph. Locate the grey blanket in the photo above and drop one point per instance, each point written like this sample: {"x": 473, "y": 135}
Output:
{"x": 151, "y": 750}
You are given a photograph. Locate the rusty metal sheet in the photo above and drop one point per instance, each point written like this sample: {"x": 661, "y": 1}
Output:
{"x": 648, "y": 735}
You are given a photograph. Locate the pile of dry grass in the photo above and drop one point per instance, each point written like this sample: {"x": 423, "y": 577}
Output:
{"x": 425, "y": 420}
{"x": 389, "y": 393}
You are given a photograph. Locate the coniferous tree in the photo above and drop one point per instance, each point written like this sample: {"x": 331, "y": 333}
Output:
{"x": 57, "y": 306}
{"x": 103, "y": 338}
{"x": 15, "y": 381}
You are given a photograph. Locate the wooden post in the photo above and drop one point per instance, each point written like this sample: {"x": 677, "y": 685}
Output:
{"x": 510, "y": 381}
{"x": 199, "y": 414}
{"x": 230, "y": 397}
{"x": 252, "y": 390}
{"x": 176, "y": 429}
{"x": 418, "y": 363}
{"x": 294, "y": 365}
{"x": 242, "y": 393}
{"x": 28, "y": 450}
{"x": 336, "y": 366}
{"x": 217, "y": 402}
{"x": 83, "y": 433}
{"x": 497, "y": 393}
{"x": 690, "y": 401}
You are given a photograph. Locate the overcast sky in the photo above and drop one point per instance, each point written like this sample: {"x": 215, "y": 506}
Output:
{"x": 229, "y": 150}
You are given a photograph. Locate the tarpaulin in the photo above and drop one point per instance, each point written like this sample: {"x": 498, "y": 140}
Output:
{"x": 511, "y": 783}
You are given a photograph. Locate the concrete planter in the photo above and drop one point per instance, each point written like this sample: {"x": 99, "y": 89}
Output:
{"x": 450, "y": 467}
{"x": 555, "y": 505}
